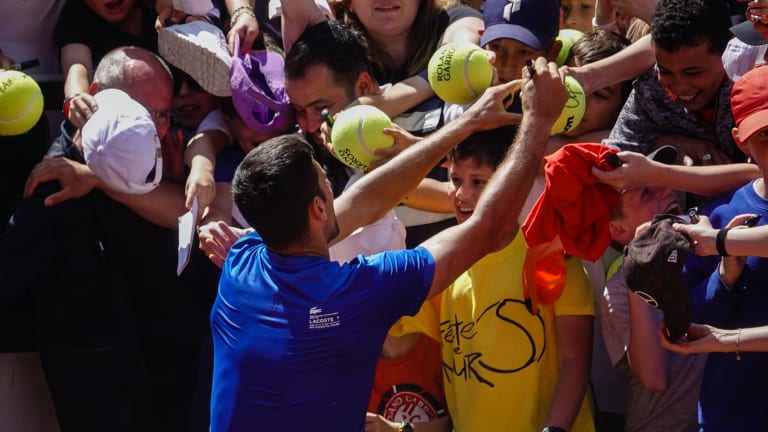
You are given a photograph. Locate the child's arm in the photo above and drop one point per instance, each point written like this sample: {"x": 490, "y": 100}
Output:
{"x": 201, "y": 157}
{"x": 400, "y": 97}
{"x": 574, "y": 351}
{"x": 430, "y": 195}
{"x": 78, "y": 67}
{"x": 646, "y": 357}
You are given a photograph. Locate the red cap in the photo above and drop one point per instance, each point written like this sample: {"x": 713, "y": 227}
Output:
{"x": 749, "y": 102}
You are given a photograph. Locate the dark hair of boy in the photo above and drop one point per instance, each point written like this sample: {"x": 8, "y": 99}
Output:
{"x": 487, "y": 147}
{"x": 597, "y": 45}
{"x": 333, "y": 45}
{"x": 678, "y": 23}
{"x": 273, "y": 187}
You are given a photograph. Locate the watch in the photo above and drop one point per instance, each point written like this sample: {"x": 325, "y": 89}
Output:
{"x": 405, "y": 426}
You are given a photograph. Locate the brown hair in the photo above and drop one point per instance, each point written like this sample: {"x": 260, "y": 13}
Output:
{"x": 422, "y": 40}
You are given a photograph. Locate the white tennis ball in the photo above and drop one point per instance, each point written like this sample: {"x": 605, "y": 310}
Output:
{"x": 21, "y": 102}
{"x": 459, "y": 72}
{"x": 573, "y": 111}
{"x": 357, "y": 133}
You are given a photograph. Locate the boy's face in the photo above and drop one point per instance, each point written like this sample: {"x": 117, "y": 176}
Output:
{"x": 692, "y": 74}
{"x": 640, "y": 205}
{"x": 756, "y": 146}
{"x": 577, "y": 14}
{"x": 511, "y": 56}
{"x": 469, "y": 178}
{"x": 190, "y": 106}
{"x": 603, "y": 106}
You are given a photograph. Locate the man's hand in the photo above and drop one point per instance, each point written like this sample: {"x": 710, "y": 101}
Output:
{"x": 403, "y": 140}
{"x": 489, "y": 111}
{"x": 5, "y": 62}
{"x": 703, "y": 236}
{"x": 543, "y": 94}
{"x": 216, "y": 238}
{"x": 76, "y": 179}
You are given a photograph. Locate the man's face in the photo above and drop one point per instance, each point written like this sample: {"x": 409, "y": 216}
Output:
{"x": 511, "y": 56}
{"x": 469, "y": 178}
{"x": 312, "y": 93}
{"x": 692, "y": 74}
{"x": 640, "y": 205}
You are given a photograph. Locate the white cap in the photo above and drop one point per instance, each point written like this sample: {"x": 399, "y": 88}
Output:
{"x": 120, "y": 144}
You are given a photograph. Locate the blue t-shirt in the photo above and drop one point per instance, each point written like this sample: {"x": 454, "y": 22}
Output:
{"x": 296, "y": 339}
{"x": 733, "y": 392}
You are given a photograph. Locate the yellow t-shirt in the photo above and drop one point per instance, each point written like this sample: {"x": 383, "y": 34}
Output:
{"x": 500, "y": 363}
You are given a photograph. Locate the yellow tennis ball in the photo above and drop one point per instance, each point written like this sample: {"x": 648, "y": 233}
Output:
{"x": 567, "y": 37}
{"x": 573, "y": 111}
{"x": 459, "y": 72}
{"x": 21, "y": 102}
{"x": 357, "y": 133}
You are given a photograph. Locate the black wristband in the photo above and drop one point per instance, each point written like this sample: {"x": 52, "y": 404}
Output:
{"x": 720, "y": 242}
{"x": 553, "y": 429}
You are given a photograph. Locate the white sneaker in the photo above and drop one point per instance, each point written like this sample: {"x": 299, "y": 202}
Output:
{"x": 199, "y": 49}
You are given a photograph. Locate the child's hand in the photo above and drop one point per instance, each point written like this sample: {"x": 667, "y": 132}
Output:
{"x": 200, "y": 184}
{"x": 81, "y": 108}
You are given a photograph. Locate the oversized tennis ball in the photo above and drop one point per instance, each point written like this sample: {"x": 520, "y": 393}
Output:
{"x": 573, "y": 111}
{"x": 459, "y": 72}
{"x": 568, "y": 37}
{"x": 21, "y": 102}
{"x": 357, "y": 133}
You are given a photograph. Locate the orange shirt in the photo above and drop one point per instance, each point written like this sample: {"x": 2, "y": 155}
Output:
{"x": 410, "y": 387}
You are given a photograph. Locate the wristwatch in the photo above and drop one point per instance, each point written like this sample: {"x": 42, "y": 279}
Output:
{"x": 405, "y": 426}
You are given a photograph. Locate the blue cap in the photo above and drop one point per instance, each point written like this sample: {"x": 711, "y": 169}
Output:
{"x": 532, "y": 22}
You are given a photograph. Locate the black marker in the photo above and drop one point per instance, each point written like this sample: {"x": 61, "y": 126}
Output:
{"x": 25, "y": 64}
{"x": 751, "y": 222}
{"x": 327, "y": 117}
{"x": 531, "y": 70}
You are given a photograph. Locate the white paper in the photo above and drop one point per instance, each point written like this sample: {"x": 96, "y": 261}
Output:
{"x": 187, "y": 225}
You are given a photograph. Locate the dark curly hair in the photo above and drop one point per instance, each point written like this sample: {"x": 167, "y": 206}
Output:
{"x": 679, "y": 23}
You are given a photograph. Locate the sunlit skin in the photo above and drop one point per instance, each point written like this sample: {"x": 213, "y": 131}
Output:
{"x": 577, "y": 14}
{"x": 469, "y": 178}
{"x": 313, "y": 93}
{"x": 191, "y": 106}
{"x": 384, "y": 19}
{"x": 155, "y": 98}
{"x": 693, "y": 74}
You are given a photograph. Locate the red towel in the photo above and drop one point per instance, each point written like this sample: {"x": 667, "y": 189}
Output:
{"x": 575, "y": 205}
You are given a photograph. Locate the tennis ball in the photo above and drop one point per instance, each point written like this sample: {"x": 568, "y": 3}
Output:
{"x": 568, "y": 37}
{"x": 459, "y": 72}
{"x": 573, "y": 111}
{"x": 21, "y": 102}
{"x": 357, "y": 133}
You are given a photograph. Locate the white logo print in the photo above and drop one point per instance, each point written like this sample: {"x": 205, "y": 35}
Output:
{"x": 672, "y": 257}
{"x": 511, "y": 7}
{"x": 320, "y": 320}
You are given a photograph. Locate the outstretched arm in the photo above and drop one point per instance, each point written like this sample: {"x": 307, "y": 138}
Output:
{"x": 495, "y": 217}
{"x": 383, "y": 188}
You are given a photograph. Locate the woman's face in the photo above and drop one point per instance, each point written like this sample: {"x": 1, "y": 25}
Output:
{"x": 385, "y": 18}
